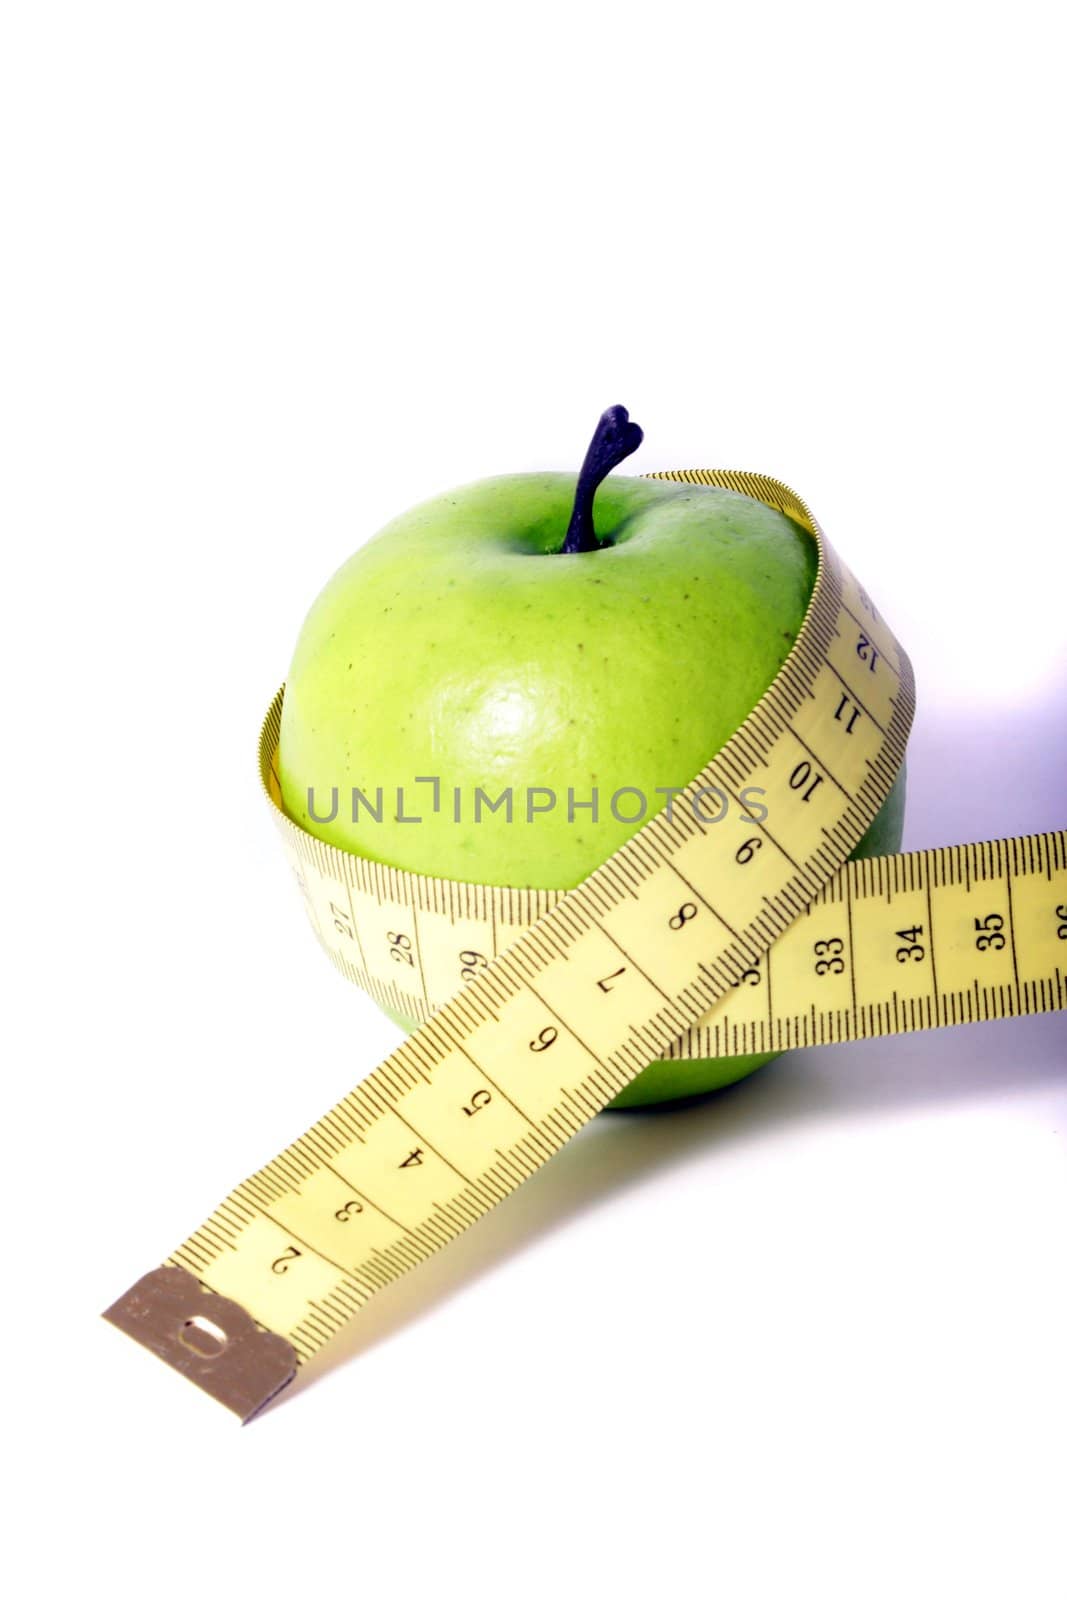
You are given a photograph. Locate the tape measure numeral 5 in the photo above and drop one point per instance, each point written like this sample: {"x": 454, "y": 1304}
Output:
{"x": 536, "y": 1008}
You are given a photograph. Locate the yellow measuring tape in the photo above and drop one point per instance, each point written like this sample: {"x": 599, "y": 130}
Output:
{"x": 538, "y": 1007}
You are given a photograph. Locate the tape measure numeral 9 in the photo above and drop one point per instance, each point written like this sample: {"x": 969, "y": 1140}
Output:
{"x": 537, "y": 1008}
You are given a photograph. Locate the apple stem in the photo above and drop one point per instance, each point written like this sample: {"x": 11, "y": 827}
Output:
{"x": 615, "y": 438}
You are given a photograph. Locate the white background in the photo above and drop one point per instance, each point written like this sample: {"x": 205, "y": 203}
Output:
{"x": 273, "y": 273}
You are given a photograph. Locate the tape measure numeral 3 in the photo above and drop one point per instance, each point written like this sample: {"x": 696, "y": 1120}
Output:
{"x": 536, "y": 1008}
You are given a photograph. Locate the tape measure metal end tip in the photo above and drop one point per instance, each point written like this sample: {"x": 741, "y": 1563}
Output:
{"x": 209, "y": 1339}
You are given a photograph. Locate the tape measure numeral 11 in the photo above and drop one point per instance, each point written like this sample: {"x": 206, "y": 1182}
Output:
{"x": 537, "y": 1008}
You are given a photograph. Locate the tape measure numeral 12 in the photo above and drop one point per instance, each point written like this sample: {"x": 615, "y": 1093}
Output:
{"x": 538, "y": 1008}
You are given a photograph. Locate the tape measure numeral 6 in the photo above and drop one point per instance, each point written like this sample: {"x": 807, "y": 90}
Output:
{"x": 536, "y": 1008}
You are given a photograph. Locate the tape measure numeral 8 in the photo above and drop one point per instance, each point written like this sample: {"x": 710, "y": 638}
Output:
{"x": 536, "y": 1008}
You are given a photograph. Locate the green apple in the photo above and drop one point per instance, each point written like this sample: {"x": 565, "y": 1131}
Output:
{"x": 493, "y": 640}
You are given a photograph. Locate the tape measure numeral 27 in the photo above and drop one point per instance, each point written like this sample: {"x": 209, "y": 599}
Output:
{"x": 537, "y": 1008}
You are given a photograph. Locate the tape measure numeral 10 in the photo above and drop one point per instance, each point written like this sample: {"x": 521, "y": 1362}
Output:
{"x": 537, "y": 1008}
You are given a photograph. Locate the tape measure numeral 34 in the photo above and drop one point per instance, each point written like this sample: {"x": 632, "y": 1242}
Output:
{"x": 536, "y": 1008}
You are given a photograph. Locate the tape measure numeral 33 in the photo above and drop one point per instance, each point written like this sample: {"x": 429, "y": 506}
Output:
{"x": 536, "y": 1008}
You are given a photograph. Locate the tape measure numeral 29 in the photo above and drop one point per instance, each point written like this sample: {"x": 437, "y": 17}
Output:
{"x": 537, "y": 1008}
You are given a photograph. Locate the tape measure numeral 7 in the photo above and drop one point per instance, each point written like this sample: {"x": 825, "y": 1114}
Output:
{"x": 537, "y": 1008}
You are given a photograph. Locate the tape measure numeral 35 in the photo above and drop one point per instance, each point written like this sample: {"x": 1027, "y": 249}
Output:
{"x": 536, "y": 1008}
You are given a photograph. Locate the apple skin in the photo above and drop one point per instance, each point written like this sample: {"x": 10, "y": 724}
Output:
{"x": 459, "y": 643}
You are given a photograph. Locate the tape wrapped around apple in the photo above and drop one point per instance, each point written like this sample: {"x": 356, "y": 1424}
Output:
{"x": 502, "y": 641}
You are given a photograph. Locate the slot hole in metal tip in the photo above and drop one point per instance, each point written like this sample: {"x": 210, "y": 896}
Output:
{"x": 203, "y": 1337}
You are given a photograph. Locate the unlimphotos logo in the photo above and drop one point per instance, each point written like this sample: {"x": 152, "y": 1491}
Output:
{"x": 527, "y": 803}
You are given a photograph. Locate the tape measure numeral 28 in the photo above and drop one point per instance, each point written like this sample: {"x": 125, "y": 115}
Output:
{"x": 537, "y": 1008}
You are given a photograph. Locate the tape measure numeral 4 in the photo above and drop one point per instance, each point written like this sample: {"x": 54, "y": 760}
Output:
{"x": 536, "y": 1008}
